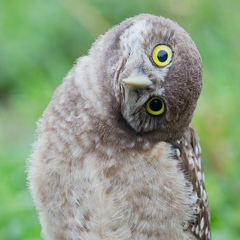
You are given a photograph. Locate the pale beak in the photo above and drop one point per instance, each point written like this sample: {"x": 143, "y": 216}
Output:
{"x": 139, "y": 81}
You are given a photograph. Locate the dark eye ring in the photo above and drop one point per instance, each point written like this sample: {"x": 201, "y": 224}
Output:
{"x": 155, "y": 106}
{"x": 162, "y": 55}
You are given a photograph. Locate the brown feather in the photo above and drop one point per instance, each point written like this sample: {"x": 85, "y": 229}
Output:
{"x": 190, "y": 157}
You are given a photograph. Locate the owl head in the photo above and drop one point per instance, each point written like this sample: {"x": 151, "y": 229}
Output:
{"x": 153, "y": 71}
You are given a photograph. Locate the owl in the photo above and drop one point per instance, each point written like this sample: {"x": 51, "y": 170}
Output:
{"x": 116, "y": 156}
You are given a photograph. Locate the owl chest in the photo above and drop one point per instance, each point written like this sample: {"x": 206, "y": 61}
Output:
{"x": 136, "y": 196}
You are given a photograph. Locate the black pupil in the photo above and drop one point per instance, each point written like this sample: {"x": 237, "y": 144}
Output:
{"x": 155, "y": 105}
{"x": 162, "y": 56}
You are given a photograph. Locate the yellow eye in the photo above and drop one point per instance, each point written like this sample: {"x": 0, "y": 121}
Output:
{"x": 155, "y": 106}
{"x": 162, "y": 55}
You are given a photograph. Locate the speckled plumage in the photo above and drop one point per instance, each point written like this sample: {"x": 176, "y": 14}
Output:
{"x": 102, "y": 167}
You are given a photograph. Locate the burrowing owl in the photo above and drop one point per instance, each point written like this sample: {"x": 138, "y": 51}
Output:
{"x": 116, "y": 155}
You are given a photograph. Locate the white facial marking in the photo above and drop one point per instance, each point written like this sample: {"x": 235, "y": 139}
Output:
{"x": 132, "y": 42}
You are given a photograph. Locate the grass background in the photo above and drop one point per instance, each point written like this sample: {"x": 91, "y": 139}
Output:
{"x": 39, "y": 42}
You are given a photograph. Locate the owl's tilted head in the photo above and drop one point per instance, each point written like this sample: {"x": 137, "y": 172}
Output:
{"x": 155, "y": 72}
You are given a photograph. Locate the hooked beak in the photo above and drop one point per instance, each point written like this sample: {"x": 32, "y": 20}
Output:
{"x": 138, "y": 81}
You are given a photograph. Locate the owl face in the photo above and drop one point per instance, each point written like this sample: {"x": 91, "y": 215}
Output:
{"x": 155, "y": 73}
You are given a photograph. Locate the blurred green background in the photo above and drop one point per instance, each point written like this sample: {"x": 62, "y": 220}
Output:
{"x": 39, "y": 42}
